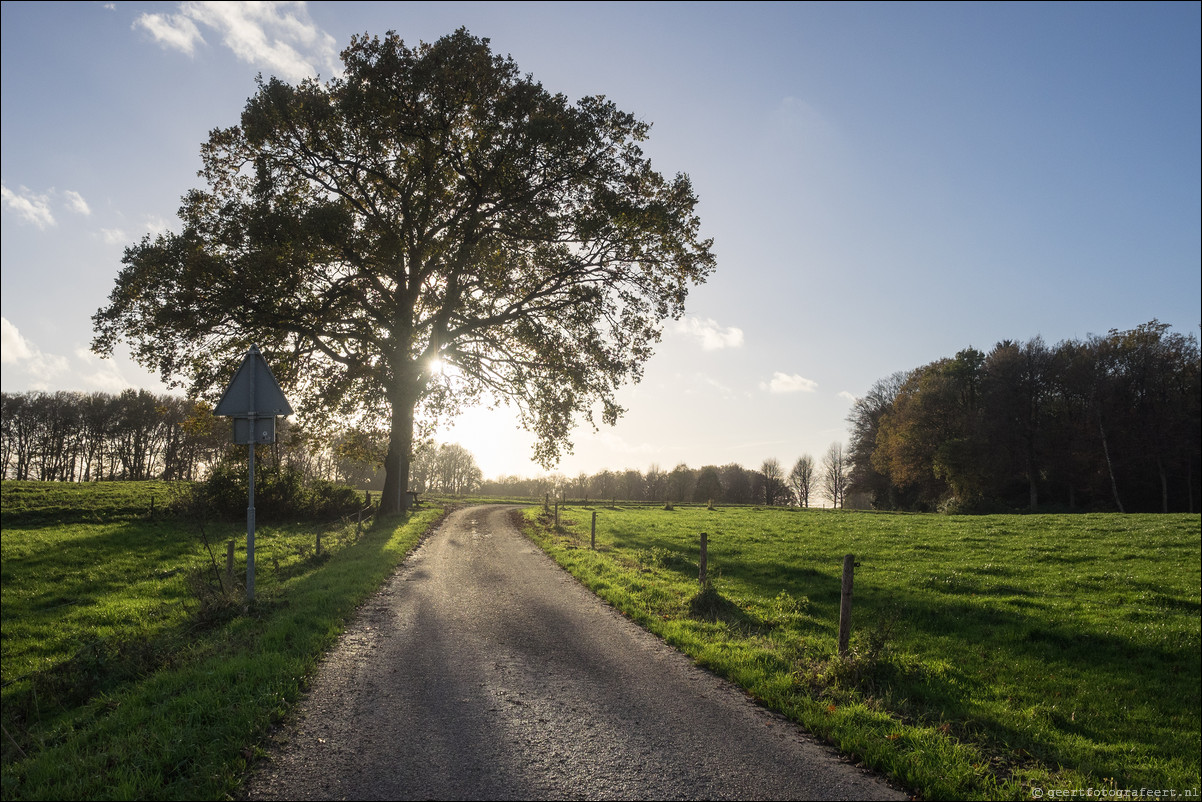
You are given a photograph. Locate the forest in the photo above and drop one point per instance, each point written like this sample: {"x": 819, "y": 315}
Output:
{"x": 1105, "y": 423}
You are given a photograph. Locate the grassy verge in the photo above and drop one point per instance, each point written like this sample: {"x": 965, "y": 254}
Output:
{"x": 993, "y": 657}
{"x": 132, "y": 669}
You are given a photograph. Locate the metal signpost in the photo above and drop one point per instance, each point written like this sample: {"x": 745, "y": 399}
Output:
{"x": 253, "y": 400}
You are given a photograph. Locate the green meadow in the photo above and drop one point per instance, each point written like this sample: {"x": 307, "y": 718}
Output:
{"x": 992, "y": 657}
{"x": 133, "y": 668}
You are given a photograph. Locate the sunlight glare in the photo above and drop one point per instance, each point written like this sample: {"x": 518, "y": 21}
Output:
{"x": 494, "y": 439}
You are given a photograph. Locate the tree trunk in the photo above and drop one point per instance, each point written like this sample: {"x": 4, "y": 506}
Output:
{"x": 1032, "y": 484}
{"x": 395, "y": 498}
{"x": 1110, "y": 467}
{"x": 1189, "y": 483}
{"x": 1164, "y": 484}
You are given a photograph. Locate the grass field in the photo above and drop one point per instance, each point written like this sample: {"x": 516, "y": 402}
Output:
{"x": 993, "y": 657}
{"x": 131, "y": 669}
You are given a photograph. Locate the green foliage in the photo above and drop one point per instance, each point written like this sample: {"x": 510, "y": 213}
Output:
{"x": 659, "y": 557}
{"x": 1111, "y": 423}
{"x": 281, "y": 494}
{"x": 130, "y": 670}
{"x": 464, "y": 216}
{"x": 990, "y": 655}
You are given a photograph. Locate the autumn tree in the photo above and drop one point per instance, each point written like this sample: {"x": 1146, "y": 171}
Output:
{"x": 358, "y": 455}
{"x": 1110, "y": 422}
{"x": 865, "y": 419}
{"x": 426, "y": 229}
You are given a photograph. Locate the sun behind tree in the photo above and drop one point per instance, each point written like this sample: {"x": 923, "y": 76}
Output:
{"x": 431, "y": 203}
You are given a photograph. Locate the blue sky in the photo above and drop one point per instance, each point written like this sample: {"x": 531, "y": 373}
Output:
{"x": 886, "y": 184}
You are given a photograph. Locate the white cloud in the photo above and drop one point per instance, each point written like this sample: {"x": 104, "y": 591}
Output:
{"x": 155, "y": 225}
{"x": 13, "y": 347}
{"x": 280, "y": 37}
{"x": 784, "y": 383}
{"x": 27, "y": 368}
{"x": 76, "y": 203}
{"x": 711, "y": 335}
{"x": 113, "y": 236}
{"x": 174, "y": 31}
{"x": 29, "y": 207}
{"x": 102, "y": 375}
{"x": 20, "y": 354}
{"x": 848, "y": 397}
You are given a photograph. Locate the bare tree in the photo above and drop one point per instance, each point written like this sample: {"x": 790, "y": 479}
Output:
{"x": 834, "y": 474}
{"x": 656, "y": 482}
{"x": 801, "y": 479}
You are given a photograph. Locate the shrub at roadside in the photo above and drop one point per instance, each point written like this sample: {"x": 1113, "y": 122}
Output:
{"x": 280, "y": 494}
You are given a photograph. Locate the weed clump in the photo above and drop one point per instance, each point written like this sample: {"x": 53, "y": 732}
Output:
{"x": 710, "y": 605}
{"x": 659, "y": 557}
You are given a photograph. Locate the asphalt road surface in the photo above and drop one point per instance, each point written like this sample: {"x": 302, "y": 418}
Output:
{"x": 482, "y": 670}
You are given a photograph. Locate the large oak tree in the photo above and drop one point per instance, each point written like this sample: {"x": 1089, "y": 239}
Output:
{"x": 426, "y": 230}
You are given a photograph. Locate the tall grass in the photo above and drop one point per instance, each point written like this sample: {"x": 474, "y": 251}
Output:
{"x": 992, "y": 657}
{"x": 132, "y": 669}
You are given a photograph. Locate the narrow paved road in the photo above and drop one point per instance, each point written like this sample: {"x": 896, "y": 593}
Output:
{"x": 483, "y": 671}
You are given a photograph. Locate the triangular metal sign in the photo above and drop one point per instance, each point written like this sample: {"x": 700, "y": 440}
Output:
{"x": 254, "y": 392}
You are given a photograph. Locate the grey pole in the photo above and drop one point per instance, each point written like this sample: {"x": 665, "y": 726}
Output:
{"x": 250, "y": 508}
{"x": 250, "y": 528}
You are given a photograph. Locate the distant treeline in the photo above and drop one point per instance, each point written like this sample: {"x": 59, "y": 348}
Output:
{"x": 72, "y": 437}
{"x": 137, "y": 435}
{"x": 726, "y": 484}
{"x": 1111, "y": 422}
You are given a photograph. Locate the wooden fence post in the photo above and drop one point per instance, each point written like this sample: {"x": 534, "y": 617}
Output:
{"x": 593, "y": 534}
{"x": 703, "y": 574}
{"x": 849, "y": 570}
{"x": 318, "y": 542}
{"x": 556, "y": 512}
